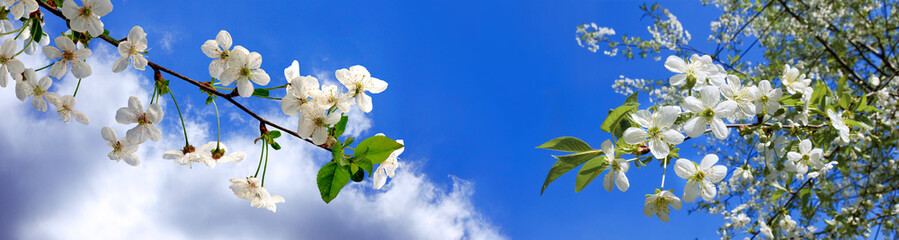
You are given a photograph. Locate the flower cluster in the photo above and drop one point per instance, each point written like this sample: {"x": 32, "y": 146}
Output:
{"x": 238, "y": 65}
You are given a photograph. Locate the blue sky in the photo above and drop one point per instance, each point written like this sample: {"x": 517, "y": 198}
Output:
{"x": 474, "y": 86}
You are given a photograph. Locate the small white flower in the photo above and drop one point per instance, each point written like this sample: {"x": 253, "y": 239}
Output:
{"x": 766, "y": 98}
{"x": 22, "y": 87}
{"x": 132, "y": 51}
{"x": 709, "y": 113}
{"x": 836, "y": 120}
{"x": 741, "y": 95}
{"x": 184, "y": 156}
{"x": 37, "y": 91}
{"x": 314, "y": 124}
{"x": 742, "y": 173}
{"x": 214, "y": 152}
{"x": 763, "y": 227}
{"x": 19, "y": 8}
{"x": 86, "y": 19}
{"x": 740, "y": 220}
{"x": 299, "y": 90}
{"x": 68, "y": 54}
{"x": 655, "y": 128}
{"x": 8, "y": 62}
{"x": 251, "y": 189}
{"x": 220, "y": 50}
{"x": 794, "y": 81}
{"x": 388, "y": 167}
{"x": 799, "y": 162}
{"x": 243, "y": 67}
{"x": 657, "y": 204}
{"x": 618, "y": 166}
{"x": 122, "y": 149}
{"x": 698, "y": 69}
{"x": 701, "y": 178}
{"x": 357, "y": 80}
{"x": 145, "y": 129}
{"x": 329, "y": 97}
{"x": 65, "y": 107}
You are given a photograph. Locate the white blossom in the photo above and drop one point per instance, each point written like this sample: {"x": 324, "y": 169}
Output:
{"x": 122, "y": 149}
{"x": 358, "y": 80}
{"x": 299, "y": 90}
{"x": 700, "y": 177}
{"x": 799, "y": 162}
{"x": 68, "y": 54}
{"x": 214, "y": 152}
{"x": 766, "y": 98}
{"x": 22, "y": 87}
{"x": 8, "y": 62}
{"x": 251, "y": 189}
{"x": 184, "y": 156}
{"x": 19, "y": 8}
{"x": 698, "y": 69}
{"x": 657, "y": 204}
{"x": 794, "y": 81}
{"x": 709, "y": 111}
{"x": 132, "y": 51}
{"x": 314, "y": 124}
{"x": 836, "y": 120}
{"x": 655, "y": 128}
{"x": 65, "y": 107}
{"x": 220, "y": 50}
{"x": 145, "y": 129}
{"x": 618, "y": 166}
{"x": 329, "y": 97}
{"x": 741, "y": 95}
{"x": 86, "y": 19}
{"x": 37, "y": 91}
{"x": 243, "y": 67}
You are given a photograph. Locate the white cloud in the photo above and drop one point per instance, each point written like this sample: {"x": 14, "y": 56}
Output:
{"x": 66, "y": 188}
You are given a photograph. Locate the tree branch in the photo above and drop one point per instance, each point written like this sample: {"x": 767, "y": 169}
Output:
{"x": 204, "y": 87}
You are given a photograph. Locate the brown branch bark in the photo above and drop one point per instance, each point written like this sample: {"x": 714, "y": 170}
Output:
{"x": 204, "y": 87}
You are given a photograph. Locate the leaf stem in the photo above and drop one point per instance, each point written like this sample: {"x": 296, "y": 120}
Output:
{"x": 45, "y": 67}
{"x": 15, "y": 31}
{"x": 664, "y": 172}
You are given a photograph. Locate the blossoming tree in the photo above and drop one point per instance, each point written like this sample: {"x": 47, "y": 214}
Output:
{"x": 322, "y": 109}
{"x": 807, "y": 133}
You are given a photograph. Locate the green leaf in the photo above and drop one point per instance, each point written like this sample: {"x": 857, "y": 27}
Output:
{"x": 259, "y": 92}
{"x": 376, "y": 148}
{"x": 777, "y": 194}
{"x": 276, "y": 146}
{"x": 590, "y": 171}
{"x": 340, "y": 127}
{"x": 615, "y": 116}
{"x": 331, "y": 178}
{"x": 366, "y": 165}
{"x": 566, "y": 144}
{"x": 275, "y": 134}
{"x": 632, "y": 99}
{"x": 566, "y": 163}
{"x": 819, "y": 93}
{"x": 844, "y": 100}
{"x": 209, "y": 100}
{"x": 337, "y": 154}
{"x": 36, "y": 31}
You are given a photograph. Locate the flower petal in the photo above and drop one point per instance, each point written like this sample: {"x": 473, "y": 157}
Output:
{"x": 708, "y": 190}
{"x": 719, "y": 128}
{"x": 634, "y": 135}
{"x": 658, "y": 148}
{"x": 695, "y": 126}
{"x": 684, "y": 168}
{"x": 675, "y": 64}
{"x": 691, "y": 191}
